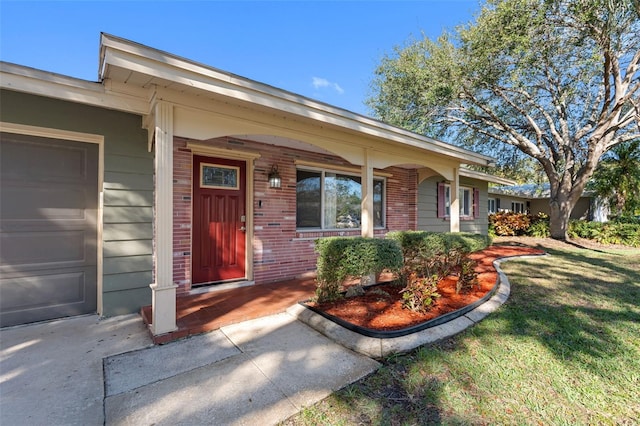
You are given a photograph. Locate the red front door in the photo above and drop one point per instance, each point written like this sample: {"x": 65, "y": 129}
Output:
{"x": 218, "y": 220}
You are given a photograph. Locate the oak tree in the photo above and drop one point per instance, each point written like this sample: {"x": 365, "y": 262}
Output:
{"x": 556, "y": 81}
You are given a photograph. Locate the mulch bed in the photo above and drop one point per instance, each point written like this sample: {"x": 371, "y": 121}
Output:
{"x": 377, "y": 311}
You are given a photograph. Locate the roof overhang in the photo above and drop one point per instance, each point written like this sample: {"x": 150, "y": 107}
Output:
{"x": 42, "y": 83}
{"x": 126, "y": 65}
{"x": 473, "y": 174}
{"x": 133, "y": 77}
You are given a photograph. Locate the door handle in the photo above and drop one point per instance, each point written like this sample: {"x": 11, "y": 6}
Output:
{"x": 243, "y": 228}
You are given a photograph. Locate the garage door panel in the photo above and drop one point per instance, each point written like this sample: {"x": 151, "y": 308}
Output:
{"x": 42, "y": 201}
{"x": 36, "y": 250}
{"x": 47, "y": 296}
{"x": 50, "y": 288}
{"x": 46, "y": 159}
{"x": 48, "y": 228}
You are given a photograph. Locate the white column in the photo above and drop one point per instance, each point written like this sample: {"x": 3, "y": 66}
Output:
{"x": 454, "y": 210}
{"x": 366, "y": 179}
{"x": 163, "y": 290}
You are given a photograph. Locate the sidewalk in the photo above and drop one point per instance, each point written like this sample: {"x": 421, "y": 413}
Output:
{"x": 84, "y": 371}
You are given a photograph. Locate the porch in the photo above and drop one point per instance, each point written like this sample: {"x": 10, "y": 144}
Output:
{"x": 200, "y": 313}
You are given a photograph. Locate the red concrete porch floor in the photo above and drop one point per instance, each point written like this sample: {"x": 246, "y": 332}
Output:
{"x": 199, "y": 313}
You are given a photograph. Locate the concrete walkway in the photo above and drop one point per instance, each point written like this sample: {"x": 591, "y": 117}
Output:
{"x": 86, "y": 371}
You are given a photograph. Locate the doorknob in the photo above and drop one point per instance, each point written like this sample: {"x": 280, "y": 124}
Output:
{"x": 243, "y": 228}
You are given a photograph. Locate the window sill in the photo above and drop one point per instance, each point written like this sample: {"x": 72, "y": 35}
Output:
{"x": 462, "y": 218}
{"x": 303, "y": 230}
{"x": 313, "y": 234}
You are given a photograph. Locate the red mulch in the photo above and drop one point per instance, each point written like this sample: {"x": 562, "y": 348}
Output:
{"x": 382, "y": 313}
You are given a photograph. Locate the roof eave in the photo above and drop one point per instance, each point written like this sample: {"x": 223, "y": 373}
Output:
{"x": 473, "y": 174}
{"x": 287, "y": 101}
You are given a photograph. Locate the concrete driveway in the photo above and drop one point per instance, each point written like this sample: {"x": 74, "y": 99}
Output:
{"x": 87, "y": 371}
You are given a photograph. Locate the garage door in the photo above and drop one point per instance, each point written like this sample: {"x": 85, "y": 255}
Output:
{"x": 48, "y": 228}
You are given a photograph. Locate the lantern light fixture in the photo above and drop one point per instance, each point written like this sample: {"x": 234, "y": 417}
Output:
{"x": 275, "y": 181}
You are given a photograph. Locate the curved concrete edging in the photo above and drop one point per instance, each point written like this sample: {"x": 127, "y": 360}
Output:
{"x": 376, "y": 347}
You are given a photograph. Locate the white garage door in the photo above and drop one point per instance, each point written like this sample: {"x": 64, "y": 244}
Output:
{"x": 48, "y": 228}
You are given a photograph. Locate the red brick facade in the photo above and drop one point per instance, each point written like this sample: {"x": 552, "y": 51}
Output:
{"x": 279, "y": 251}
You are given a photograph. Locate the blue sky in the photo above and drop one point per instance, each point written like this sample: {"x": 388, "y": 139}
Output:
{"x": 326, "y": 50}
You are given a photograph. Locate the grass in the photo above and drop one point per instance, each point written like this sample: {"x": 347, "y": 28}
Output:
{"x": 564, "y": 349}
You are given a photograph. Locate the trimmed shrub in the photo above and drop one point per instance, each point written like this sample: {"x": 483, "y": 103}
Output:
{"x": 429, "y": 257}
{"x": 340, "y": 258}
{"x": 426, "y": 253}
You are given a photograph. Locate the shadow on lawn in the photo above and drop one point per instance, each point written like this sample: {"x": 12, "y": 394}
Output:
{"x": 396, "y": 394}
{"x": 572, "y": 302}
{"x": 577, "y": 303}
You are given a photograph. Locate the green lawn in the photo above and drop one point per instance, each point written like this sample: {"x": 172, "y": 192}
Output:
{"x": 564, "y": 349}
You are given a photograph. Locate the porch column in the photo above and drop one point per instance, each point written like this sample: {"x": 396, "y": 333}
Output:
{"x": 454, "y": 210}
{"x": 366, "y": 179}
{"x": 163, "y": 290}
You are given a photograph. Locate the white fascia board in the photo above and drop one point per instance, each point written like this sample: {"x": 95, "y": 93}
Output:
{"x": 29, "y": 80}
{"x": 473, "y": 174}
{"x": 123, "y": 53}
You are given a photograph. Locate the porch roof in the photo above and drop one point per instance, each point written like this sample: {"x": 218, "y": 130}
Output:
{"x": 133, "y": 68}
{"x": 473, "y": 174}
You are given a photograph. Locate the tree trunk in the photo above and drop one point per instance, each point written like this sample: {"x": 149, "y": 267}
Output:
{"x": 560, "y": 212}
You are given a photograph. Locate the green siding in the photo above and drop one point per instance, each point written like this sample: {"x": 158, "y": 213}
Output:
{"x": 128, "y": 189}
{"x": 127, "y": 248}
{"x": 126, "y": 231}
{"x": 122, "y": 282}
{"x": 128, "y": 214}
{"x": 125, "y": 301}
{"x": 127, "y": 181}
{"x": 428, "y": 219}
{"x": 125, "y": 198}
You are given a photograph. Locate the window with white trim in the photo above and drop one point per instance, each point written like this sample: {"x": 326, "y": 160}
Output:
{"x": 491, "y": 205}
{"x": 327, "y": 199}
{"x": 468, "y": 199}
{"x": 517, "y": 207}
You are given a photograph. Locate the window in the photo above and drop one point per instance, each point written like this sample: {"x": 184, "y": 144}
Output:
{"x": 491, "y": 207}
{"x": 517, "y": 207}
{"x": 330, "y": 200}
{"x": 468, "y": 200}
{"x": 218, "y": 176}
{"x": 464, "y": 195}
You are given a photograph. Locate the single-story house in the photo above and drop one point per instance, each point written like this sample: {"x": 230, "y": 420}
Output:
{"x": 534, "y": 199}
{"x": 167, "y": 176}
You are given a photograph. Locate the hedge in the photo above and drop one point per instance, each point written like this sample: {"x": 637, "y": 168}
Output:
{"x": 340, "y": 258}
{"x": 627, "y": 234}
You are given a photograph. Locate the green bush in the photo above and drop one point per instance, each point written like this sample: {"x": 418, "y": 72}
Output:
{"x": 539, "y": 226}
{"x": 420, "y": 293}
{"x": 468, "y": 277}
{"x": 429, "y": 257}
{"x": 426, "y": 244}
{"x": 340, "y": 258}
{"x": 606, "y": 233}
{"x": 626, "y": 219}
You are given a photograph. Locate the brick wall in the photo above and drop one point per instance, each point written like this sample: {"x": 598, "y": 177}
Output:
{"x": 280, "y": 251}
{"x": 182, "y": 173}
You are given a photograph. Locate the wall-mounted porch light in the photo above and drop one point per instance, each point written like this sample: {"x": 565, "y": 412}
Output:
{"x": 275, "y": 181}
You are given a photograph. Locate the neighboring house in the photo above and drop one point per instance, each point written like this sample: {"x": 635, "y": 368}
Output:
{"x": 534, "y": 199}
{"x": 168, "y": 175}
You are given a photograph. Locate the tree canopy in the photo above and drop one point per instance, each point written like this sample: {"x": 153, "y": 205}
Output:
{"x": 556, "y": 81}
